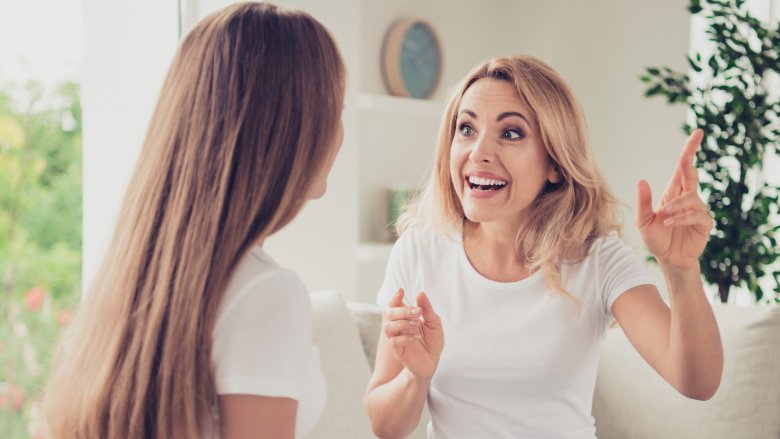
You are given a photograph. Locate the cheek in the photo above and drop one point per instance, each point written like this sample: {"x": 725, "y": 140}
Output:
{"x": 456, "y": 165}
{"x": 529, "y": 174}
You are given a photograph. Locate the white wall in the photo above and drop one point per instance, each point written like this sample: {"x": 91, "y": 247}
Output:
{"x": 468, "y": 35}
{"x": 320, "y": 244}
{"x": 127, "y": 49}
{"x": 601, "y": 48}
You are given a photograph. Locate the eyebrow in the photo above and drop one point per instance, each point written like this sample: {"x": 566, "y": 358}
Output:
{"x": 500, "y": 117}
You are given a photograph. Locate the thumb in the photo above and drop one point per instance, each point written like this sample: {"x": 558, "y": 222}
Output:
{"x": 644, "y": 204}
{"x": 397, "y": 300}
{"x": 428, "y": 313}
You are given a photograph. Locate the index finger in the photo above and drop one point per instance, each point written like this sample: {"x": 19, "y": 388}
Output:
{"x": 690, "y": 178}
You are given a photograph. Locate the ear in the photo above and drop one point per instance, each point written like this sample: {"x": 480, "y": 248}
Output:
{"x": 553, "y": 175}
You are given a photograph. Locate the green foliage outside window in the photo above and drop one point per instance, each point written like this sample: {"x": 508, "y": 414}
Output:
{"x": 40, "y": 242}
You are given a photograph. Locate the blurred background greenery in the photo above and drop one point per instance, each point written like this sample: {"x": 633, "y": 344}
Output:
{"x": 40, "y": 240}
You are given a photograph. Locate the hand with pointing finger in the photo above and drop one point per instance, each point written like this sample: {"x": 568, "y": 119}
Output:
{"x": 414, "y": 334}
{"x": 677, "y": 232}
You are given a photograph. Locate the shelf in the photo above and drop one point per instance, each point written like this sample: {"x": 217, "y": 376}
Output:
{"x": 396, "y": 104}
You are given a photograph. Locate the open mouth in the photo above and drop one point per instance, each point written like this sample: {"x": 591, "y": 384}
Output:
{"x": 485, "y": 184}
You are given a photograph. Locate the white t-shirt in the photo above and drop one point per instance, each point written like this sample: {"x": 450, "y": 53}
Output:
{"x": 518, "y": 361}
{"x": 263, "y": 339}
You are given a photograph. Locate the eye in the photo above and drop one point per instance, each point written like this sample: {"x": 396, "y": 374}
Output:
{"x": 512, "y": 134}
{"x": 466, "y": 129}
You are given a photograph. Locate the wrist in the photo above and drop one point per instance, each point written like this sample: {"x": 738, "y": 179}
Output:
{"x": 416, "y": 381}
{"x": 680, "y": 271}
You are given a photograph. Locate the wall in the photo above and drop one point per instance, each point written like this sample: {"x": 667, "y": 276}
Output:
{"x": 601, "y": 51}
{"x": 468, "y": 35}
{"x": 320, "y": 243}
{"x": 600, "y": 48}
{"x": 127, "y": 49}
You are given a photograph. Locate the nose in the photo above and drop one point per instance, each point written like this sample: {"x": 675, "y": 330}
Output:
{"x": 482, "y": 152}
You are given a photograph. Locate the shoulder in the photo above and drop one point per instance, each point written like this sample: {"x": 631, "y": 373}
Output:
{"x": 609, "y": 240}
{"x": 605, "y": 254}
{"x": 262, "y": 288}
{"x": 610, "y": 246}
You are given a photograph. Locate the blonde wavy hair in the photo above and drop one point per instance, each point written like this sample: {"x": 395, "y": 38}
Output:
{"x": 248, "y": 114}
{"x": 566, "y": 217}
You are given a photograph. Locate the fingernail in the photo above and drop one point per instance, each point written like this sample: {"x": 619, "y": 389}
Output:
{"x": 417, "y": 336}
{"x": 669, "y": 222}
{"x": 413, "y": 322}
{"x": 415, "y": 311}
{"x": 668, "y": 208}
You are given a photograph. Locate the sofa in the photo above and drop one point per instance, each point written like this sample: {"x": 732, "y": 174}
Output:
{"x": 630, "y": 401}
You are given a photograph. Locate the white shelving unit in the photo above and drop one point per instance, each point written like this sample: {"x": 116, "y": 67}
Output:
{"x": 396, "y": 142}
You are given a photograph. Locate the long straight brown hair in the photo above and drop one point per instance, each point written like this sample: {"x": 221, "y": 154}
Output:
{"x": 246, "y": 118}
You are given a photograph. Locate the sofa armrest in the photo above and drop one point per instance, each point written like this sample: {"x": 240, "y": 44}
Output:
{"x": 632, "y": 401}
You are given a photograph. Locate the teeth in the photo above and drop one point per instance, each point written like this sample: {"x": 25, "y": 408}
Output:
{"x": 486, "y": 181}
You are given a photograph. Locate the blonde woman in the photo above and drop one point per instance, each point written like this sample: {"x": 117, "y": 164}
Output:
{"x": 190, "y": 330}
{"x": 513, "y": 248}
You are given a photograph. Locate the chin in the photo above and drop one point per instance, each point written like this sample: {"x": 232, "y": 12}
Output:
{"x": 478, "y": 215}
{"x": 317, "y": 193}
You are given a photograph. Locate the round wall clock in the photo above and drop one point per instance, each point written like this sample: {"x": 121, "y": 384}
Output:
{"x": 411, "y": 59}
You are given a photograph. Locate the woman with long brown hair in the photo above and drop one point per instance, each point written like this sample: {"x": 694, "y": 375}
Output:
{"x": 515, "y": 242}
{"x": 190, "y": 330}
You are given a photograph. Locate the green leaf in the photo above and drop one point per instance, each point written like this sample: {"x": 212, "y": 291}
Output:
{"x": 653, "y": 90}
{"x": 759, "y": 293}
{"x": 694, "y": 65}
{"x": 713, "y": 63}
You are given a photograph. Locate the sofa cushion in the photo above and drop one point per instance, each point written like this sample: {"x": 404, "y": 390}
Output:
{"x": 345, "y": 368}
{"x": 368, "y": 319}
{"x": 632, "y": 401}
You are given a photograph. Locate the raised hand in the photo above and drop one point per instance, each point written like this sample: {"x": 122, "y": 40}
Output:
{"x": 414, "y": 334}
{"x": 677, "y": 232}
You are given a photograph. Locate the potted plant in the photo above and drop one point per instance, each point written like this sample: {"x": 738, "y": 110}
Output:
{"x": 741, "y": 121}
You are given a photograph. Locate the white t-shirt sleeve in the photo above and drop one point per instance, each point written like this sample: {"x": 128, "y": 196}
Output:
{"x": 620, "y": 269}
{"x": 397, "y": 272}
{"x": 262, "y": 341}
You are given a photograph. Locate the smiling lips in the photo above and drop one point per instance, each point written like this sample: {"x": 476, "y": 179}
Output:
{"x": 486, "y": 184}
{"x": 483, "y": 185}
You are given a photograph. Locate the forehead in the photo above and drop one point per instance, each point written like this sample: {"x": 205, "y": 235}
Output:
{"x": 493, "y": 96}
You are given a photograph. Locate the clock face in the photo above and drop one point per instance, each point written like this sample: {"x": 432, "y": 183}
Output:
{"x": 420, "y": 60}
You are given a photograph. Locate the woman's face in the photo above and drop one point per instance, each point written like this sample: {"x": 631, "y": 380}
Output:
{"x": 321, "y": 180}
{"x": 497, "y": 161}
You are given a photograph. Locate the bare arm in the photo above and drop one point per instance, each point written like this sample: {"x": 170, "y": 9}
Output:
{"x": 250, "y": 416}
{"x": 407, "y": 355}
{"x": 683, "y": 344}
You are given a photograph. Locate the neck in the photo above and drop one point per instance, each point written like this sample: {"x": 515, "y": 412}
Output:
{"x": 491, "y": 250}
{"x": 493, "y": 238}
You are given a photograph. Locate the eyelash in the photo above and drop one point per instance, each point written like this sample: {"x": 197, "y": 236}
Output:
{"x": 518, "y": 131}
{"x": 463, "y": 126}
